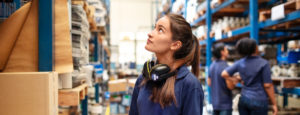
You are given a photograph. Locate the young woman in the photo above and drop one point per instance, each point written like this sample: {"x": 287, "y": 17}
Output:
{"x": 255, "y": 73}
{"x": 167, "y": 87}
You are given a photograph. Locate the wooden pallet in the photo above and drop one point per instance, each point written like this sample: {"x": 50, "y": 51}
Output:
{"x": 232, "y": 10}
{"x": 292, "y": 5}
{"x": 288, "y": 8}
{"x": 71, "y": 97}
{"x": 219, "y": 2}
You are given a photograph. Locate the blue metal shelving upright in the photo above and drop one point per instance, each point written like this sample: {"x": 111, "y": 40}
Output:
{"x": 208, "y": 47}
{"x": 18, "y": 3}
{"x": 46, "y": 35}
{"x": 254, "y": 20}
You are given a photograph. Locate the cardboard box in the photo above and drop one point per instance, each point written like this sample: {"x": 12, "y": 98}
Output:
{"x": 32, "y": 93}
{"x": 131, "y": 82}
{"x": 78, "y": 2}
{"x": 64, "y": 112}
{"x": 117, "y": 85}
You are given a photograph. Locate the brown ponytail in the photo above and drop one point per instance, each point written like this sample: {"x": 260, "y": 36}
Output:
{"x": 196, "y": 59}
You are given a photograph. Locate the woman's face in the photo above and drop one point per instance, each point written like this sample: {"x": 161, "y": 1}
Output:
{"x": 160, "y": 39}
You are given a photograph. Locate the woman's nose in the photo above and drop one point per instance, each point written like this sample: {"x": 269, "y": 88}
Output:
{"x": 150, "y": 34}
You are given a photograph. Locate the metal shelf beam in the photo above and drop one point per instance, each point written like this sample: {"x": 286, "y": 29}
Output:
{"x": 289, "y": 17}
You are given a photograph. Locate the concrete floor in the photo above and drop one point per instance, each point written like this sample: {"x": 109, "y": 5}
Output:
{"x": 292, "y": 101}
{"x": 293, "y": 107}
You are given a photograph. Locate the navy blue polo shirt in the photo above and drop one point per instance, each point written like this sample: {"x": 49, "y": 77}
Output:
{"x": 221, "y": 96}
{"x": 254, "y": 71}
{"x": 188, "y": 92}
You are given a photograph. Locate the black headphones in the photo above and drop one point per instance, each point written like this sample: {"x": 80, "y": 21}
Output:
{"x": 157, "y": 72}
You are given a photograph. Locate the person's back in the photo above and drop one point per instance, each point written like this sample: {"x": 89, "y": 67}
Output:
{"x": 255, "y": 73}
{"x": 221, "y": 96}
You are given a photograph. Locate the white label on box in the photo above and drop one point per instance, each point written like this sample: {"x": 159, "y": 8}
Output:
{"x": 218, "y": 34}
{"x": 117, "y": 81}
{"x": 229, "y": 34}
{"x": 277, "y": 12}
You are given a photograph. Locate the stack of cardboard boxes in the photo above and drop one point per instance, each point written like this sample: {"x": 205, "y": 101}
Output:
{"x": 121, "y": 91}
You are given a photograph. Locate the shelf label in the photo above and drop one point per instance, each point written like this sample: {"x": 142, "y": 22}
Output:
{"x": 229, "y": 34}
{"x": 277, "y": 12}
{"x": 218, "y": 34}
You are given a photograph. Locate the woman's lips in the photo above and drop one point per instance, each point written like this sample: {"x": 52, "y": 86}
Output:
{"x": 149, "y": 41}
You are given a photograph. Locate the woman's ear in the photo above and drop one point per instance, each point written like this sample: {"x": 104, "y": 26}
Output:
{"x": 176, "y": 45}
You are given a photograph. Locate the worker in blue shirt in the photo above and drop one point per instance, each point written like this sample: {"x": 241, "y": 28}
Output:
{"x": 221, "y": 96}
{"x": 255, "y": 73}
{"x": 167, "y": 87}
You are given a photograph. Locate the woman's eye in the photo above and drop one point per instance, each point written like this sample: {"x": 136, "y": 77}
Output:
{"x": 160, "y": 30}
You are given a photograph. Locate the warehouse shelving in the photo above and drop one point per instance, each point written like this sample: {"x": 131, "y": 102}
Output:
{"x": 222, "y": 8}
{"x": 46, "y": 52}
{"x": 225, "y": 4}
{"x": 254, "y": 29}
{"x": 45, "y": 34}
{"x": 290, "y": 17}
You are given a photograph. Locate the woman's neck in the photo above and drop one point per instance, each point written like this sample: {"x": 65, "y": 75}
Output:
{"x": 167, "y": 58}
{"x": 254, "y": 54}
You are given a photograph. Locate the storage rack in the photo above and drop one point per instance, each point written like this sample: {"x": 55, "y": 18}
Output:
{"x": 101, "y": 58}
{"x": 46, "y": 54}
{"x": 253, "y": 29}
{"x": 7, "y": 8}
{"x": 46, "y": 50}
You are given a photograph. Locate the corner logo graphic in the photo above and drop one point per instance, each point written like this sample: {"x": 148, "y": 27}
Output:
{"x": 154, "y": 77}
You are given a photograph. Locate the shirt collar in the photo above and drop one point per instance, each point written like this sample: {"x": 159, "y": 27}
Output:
{"x": 252, "y": 56}
{"x": 182, "y": 72}
{"x": 218, "y": 60}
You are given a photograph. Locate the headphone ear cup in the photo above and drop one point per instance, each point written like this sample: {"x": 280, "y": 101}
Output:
{"x": 159, "y": 72}
{"x": 156, "y": 73}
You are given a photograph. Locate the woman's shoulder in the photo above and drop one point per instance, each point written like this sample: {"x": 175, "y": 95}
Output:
{"x": 262, "y": 59}
{"x": 191, "y": 87}
{"x": 191, "y": 81}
